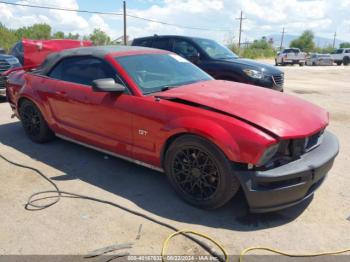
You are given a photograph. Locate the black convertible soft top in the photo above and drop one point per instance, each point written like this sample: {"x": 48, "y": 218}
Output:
{"x": 96, "y": 51}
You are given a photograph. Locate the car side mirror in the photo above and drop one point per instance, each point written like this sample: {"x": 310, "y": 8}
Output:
{"x": 107, "y": 85}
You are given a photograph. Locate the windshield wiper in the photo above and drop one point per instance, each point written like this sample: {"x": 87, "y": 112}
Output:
{"x": 165, "y": 88}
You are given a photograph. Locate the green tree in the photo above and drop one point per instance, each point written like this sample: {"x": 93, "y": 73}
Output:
{"x": 98, "y": 37}
{"x": 261, "y": 48}
{"x": 36, "y": 31}
{"x": 305, "y": 42}
{"x": 345, "y": 45}
{"x": 72, "y": 36}
{"x": 324, "y": 50}
{"x": 7, "y": 37}
{"x": 58, "y": 35}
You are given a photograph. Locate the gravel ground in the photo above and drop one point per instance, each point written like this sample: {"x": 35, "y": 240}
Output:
{"x": 78, "y": 226}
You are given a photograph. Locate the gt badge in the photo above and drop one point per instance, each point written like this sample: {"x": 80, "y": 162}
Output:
{"x": 143, "y": 132}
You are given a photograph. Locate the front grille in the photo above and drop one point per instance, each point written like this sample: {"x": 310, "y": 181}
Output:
{"x": 4, "y": 66}
{"x": 313, "y": 141}
{"x": 278, "y": 80}
{"x": 290, "y": 150}
{"x": 3, "y": 82}
{"x": 300, "y": 146}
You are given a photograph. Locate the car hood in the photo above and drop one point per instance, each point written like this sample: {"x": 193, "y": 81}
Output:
{"x": 248, "y": 63}
{"x": 283, "y": 115}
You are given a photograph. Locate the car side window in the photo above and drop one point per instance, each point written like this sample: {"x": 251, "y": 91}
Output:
{"x": 161, "y": 43}
{"x": 347, "y": 51}
{"x": 184, "y": 48}
{"x": 143, "y": 42}
{"x": 83, "y": 70}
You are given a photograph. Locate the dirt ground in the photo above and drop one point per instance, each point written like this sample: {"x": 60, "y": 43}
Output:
{"x": 78, "y": 226}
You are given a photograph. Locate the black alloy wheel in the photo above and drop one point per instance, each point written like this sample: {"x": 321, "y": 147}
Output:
{"x": 33, "y": 123}
{"x": 200, "y": 172}
{"x": 196, "y": 174}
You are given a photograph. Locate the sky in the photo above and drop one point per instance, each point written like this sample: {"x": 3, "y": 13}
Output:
{"x": 218, "y": 17}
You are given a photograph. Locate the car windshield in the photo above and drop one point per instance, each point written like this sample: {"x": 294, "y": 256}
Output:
{"x": 214, "y": 50}
{"x": 158, "y": 72}
{"x": 292, "y": 50}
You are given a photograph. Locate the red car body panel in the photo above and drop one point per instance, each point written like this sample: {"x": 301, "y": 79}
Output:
{"x": 35, "y": 51}
{"x": 284, "y": 115}
{"x": 112, "y": 122}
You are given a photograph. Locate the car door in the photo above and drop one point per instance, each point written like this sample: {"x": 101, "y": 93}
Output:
{"x": 98, "y": 118}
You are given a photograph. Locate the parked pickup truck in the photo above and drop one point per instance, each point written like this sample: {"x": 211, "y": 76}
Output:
{"x": 341, "y": 56}
{"x": 290, "y": 56}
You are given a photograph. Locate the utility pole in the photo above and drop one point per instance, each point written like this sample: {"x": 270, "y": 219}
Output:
{"x": 335, "y": 35}
{"x": 240, "y": 28}
{"x": 282, "y": 38}
{"x": 124, "y": 15}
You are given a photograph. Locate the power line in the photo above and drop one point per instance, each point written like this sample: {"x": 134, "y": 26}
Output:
{"x": 114, "y": 14}
{"x": 282, "y": 38}
{"x": 334, "y": 38}
{"x": 124, "y": 25}
{"x": 240, "y": 28}
{"x": 60, "y": 9}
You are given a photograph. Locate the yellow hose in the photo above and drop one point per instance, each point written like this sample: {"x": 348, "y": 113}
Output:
{"x": 166, "y": 242}
{"x": 245, "y": 251}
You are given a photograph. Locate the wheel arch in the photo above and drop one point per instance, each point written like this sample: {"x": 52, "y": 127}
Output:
{"x": 21, "y": 99}
{"x": 222, "y": 139}
{"x": 41, "y": 108}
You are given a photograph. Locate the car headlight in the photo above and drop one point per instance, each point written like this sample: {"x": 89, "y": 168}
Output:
{"x": 12, "y": 61}
{"x": 253, "y": 73}
{"x": 269, "y": 153}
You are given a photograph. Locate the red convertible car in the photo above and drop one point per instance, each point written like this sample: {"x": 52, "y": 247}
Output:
{"x": 157, "y": 109}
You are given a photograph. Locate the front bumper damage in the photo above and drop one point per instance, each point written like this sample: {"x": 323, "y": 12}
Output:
{"x": 292, "y": 183}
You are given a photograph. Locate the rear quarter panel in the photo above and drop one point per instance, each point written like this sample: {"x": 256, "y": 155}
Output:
{"x": 22, "y": 85}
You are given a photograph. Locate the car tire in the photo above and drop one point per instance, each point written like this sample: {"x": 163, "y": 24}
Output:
{"x": 339, "y": 63}
{"x": 34, "y": 123}
{"x": 301, "y": 64}
{"x": 200, "y": 172}
{"x": 346, "y": 60}
{"x": 276, "y": 64}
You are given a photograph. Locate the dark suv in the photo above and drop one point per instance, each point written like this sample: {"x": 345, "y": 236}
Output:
{"x": 6, "y": 62}
{"x": 217, "y": 60}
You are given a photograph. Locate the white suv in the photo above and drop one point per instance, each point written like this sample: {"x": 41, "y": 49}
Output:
{"x": 341, "y": 56}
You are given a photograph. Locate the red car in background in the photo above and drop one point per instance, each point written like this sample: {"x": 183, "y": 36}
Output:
{"x": 156, "y": 109}
{"x": 32, "y": 52}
